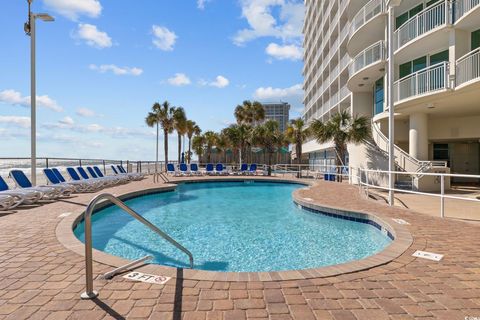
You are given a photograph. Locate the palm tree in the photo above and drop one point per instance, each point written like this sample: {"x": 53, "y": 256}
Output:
{"x": 165, "y": 119}
{"x": 342, "y": 129}
{"x": 269, "y": 137}
{"x": 210, "y": 140}
{"x": 297, "y": 133}
{"x": 192, "y": 129}
{"x": 198, "y": 145}
{"x": 222, "y": 144}
{"x": 250, "y": 112}
{"x": 153, "y": 119}
{"x": 180, "y": 125}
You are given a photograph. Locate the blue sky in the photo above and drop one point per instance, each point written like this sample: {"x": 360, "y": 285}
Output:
{"x": 103, "y": 63}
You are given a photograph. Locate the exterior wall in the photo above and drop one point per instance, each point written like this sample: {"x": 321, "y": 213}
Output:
{"x": 454, "y": 128}
{"x": 423, "y": 116}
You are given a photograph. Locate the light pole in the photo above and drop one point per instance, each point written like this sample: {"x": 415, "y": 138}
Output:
{"x": 29, "y": 28}
{"x": 391, "y": 4}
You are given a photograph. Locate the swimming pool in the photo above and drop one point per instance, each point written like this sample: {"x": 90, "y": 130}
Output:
{"x": 233, "y": 226}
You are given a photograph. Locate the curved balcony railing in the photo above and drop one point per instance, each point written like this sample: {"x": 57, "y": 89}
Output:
{"x": 371, "y": 55}
{"x": 369, "y": 11}
{"x": 428, "y": 80}
{"x": 468, "y": 67}
{"x": 425, "y": 21}
{"x": 462, "y": 7}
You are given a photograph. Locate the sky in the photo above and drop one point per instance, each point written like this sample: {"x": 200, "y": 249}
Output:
{"x": 103, "y": 63}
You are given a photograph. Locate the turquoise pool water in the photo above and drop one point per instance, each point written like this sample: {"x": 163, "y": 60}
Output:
{"x": 233, "y": 226}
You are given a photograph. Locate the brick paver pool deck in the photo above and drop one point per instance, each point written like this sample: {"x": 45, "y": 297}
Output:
{"x": 41, "y": 279}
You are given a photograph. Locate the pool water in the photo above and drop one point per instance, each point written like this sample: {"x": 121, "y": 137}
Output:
{"x": 233, "y": 226}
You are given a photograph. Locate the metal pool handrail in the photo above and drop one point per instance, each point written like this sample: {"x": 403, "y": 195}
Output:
{"x": 90, "y": 293}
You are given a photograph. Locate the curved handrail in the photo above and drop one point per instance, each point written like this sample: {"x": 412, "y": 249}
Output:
{"x": 90, "y": 293}
{"x": 372, "y": 9}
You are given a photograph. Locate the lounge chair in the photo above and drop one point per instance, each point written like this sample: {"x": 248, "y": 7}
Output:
{"x": 84, "y": 185}
{"x": 7, "y": 202}
{"x": 54, "y": 180}
{"x": 243, "y": 168}
{"x": 119, "y": 178}
{"x": 194, "y": 169}
{"x": 85, "y": 176}
{"x": 94, "y": 185}
{"x": 253, "y": 169}
{"x": 184, "y": 170}
{"x": 171, "y": 169}
{"x": 136, "y": 175}
{"x": 209, "y": 169}
{"x": 49, "y": 192}
{"x": 220, "y": 169}
{"x": 119, "y": 173}
{"x": 108, "y": 181}
{"x": 20, "y": 195}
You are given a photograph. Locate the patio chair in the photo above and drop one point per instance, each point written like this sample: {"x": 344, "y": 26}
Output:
{"x": 49, "y": 192}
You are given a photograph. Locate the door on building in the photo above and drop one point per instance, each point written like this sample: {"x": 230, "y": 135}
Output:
{"x": 465, "y": 159}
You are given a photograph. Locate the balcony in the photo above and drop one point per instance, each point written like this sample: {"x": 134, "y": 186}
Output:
{"x": 468, "y": 68}
{"x": 429, "y": 21}
{"x": 466, "y": 14}
{"x": 367, "y": 67}
{"x": 368, "y": 25}
{"x": 424, "y": 82}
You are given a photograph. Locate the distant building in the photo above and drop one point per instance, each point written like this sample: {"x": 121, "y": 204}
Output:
{"x": 278, "y": 111}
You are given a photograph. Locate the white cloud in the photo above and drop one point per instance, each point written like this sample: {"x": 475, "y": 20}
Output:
{"x": 180, "y": 79}
{"x": 220, "y": 82}
{"x": 72, "y": 9}
{"x": 15, "y": 98}
{"x": 92, "y": 36}
{"x": 287, "y": 25}
{"x": 85, "y": 112}
{"x": 119, "y": 71}
{"x": 201, "y": 4}
{"x": 68, "y": 121}
{"x": 285, "y": 52}
{"x": 23, "y": 122}
{"x": 270, "y": 93}
{"x": 163, "y": 38}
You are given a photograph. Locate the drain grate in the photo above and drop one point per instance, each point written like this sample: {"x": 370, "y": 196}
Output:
{"x": 428, "y": 255}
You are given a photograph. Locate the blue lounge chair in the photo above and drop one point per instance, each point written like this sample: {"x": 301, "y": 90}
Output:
{"x": 253, "y": 169}
{"x": 93, "y": 184}
{"x": 49, "y": 192}
{"x": 7, "y": 202}
{"x": 83, "y": 186}
{"x": 194, "y": 169}
{"x": 209, "y": 169}
{"x": 133, "y": 175}
{"x": 171, "y": 169}
{"x": 220, "y": 169}
{"x": 119, "y": 178}
{"x": 243, "y": 168}
{"x": 54, "y": 180}
{"x": 107, "y": 181}
{"x": 184, "y": 169}
{"x": 19, "y": 196}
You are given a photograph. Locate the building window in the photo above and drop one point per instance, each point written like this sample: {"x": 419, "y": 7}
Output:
{"x": 475, "y": 43}
{"x": 379, "y": 96}
{"x": 401, "y": 19}
{"x": 421, "y": 63}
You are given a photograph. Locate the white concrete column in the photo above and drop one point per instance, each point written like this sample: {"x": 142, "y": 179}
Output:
{"x": 418, "y": 136}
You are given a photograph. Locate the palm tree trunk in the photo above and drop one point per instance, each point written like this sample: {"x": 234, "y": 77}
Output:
{"x": 189, "y": 150}
{"x": 165, "y": 142}
{"x": 179, "y": 146}
{"x": 299, "y": 153}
